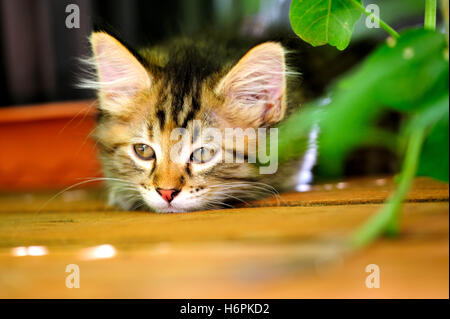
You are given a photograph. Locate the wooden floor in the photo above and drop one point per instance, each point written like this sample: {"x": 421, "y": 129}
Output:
{"x": 290, "y": 247}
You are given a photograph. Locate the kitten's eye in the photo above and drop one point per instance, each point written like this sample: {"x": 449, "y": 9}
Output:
{"x": 144, "y": 151}
{"x": 202, "y": 155}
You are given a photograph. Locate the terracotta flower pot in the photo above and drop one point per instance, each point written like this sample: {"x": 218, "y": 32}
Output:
{"x": 47, "y": 146}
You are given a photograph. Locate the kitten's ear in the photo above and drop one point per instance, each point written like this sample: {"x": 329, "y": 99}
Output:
{"x": 120, "y": 75}
{"x": 254, "y": 89}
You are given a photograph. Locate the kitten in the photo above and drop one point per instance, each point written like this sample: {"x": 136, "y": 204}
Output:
{"x": 146, "y": 96}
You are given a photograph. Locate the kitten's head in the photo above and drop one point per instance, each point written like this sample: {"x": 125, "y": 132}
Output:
{"x": 156, "y": 111}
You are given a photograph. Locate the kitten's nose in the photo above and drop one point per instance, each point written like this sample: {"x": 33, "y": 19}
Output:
{"x": 167, "y": 194}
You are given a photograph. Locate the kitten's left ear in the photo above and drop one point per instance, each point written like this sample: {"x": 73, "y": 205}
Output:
{"x": 254, "y": 89}
{"x": 120, "y": 75}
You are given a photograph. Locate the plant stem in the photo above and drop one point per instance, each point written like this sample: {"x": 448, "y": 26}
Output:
{"x": 386, "y": 220}
{"x": 445, "y": 16}
{"x": 430, "y": 14}
{"x": 383, "y": 24}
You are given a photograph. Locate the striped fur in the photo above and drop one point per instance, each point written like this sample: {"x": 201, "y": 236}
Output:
{"x": 145, "y": 96}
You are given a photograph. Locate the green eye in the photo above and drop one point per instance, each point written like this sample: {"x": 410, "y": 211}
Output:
{"x": 144, "y": 152}
{"x": 202, "y": 155}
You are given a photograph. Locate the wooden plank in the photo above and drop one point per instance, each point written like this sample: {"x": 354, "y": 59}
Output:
{"x": 350, "y": 192}
{"x": 247, "y": 252}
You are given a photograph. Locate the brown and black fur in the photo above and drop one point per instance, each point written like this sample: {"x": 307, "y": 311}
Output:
{"x": 184, "y": 80}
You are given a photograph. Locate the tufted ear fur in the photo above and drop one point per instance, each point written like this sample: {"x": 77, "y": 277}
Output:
{"x": 119, "y": 76}
{"x": 254, "y": 89}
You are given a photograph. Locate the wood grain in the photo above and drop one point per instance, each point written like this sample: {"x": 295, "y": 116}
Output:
{"x": 292, "y": 251}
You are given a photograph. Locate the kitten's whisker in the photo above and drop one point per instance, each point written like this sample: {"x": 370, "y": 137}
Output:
{"x": 224, "y": 195}
{"x": 264, "y": 188}
{"x": 216, "y": 203}
{"x": 89, "y": 180}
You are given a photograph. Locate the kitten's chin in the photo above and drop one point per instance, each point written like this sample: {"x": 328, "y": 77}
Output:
{"x": 179, "y": 205}
{"x": 170, "y": 209}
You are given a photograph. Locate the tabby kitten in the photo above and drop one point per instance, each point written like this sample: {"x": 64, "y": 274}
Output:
{"x": 145, "y": 96}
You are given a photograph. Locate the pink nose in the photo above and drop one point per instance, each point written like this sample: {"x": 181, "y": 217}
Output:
{"x": 167, "y": 194}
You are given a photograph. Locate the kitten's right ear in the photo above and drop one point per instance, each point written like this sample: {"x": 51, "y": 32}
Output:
{"x": 119, "y": 74}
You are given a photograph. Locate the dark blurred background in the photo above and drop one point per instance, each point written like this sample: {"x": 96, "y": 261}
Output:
{"x": 38, "y": 53}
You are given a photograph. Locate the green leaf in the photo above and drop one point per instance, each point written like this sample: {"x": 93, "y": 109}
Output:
{"x": 360, "y": 97}
{"x": 430, "y": 113}
{"x": 414, "y": 67}
{"x": 385, "y": 80}
{"x": 434, "y": 160}
{"x": 293, "y": 134}
{"x": 321, "y": 22}
{"x": 400, "y": 76}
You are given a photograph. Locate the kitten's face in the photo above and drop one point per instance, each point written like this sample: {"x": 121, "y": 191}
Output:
{"x": 166, "y": 171}
{"x": 154, "y": 135}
